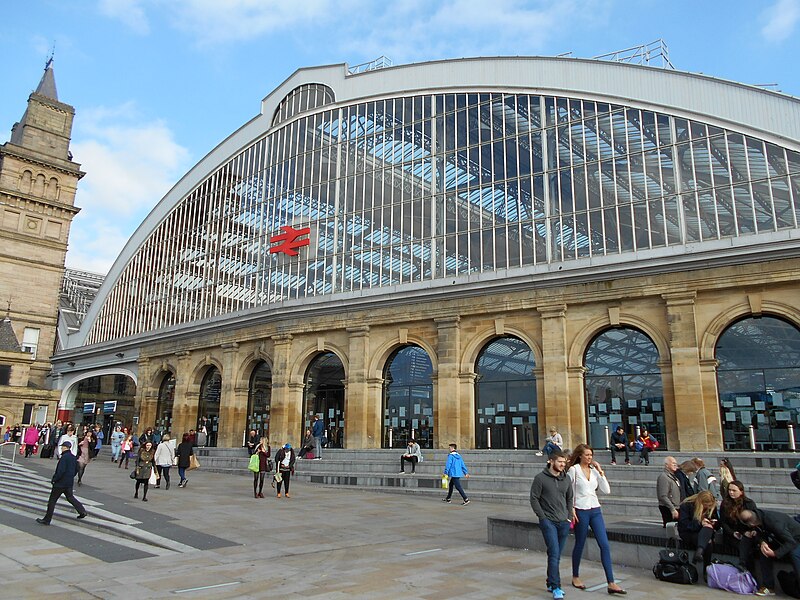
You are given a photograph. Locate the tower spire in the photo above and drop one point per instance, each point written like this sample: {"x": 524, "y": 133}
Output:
{"x": 47, "y": 85}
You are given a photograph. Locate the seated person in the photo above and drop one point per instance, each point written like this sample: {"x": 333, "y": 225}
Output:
{"x": 778, "y": 535}
{"x": 697, "y": 521}
{"x": 619, "y": 443}
{"x": 668, "y": 491}
{"x": 413, "y": 455}
{"x": 554, "y": 443}
{"x": 307, "y": 451}
{"x": 645, "y": 444}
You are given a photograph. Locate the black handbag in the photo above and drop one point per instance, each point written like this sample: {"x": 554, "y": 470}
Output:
{"x": 673, "y": 556}
{"x": 133, "y": 474}
{"x": 683, "y": 573}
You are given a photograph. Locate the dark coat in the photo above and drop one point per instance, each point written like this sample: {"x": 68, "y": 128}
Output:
{"x": 732, "y": 525}
{"x": 183, "y": 452}
{"x": 686, "y": 521}
{"x": 280, "y": 455}
{"x": 66, "y": 469}
{"x": 785, "y": 531}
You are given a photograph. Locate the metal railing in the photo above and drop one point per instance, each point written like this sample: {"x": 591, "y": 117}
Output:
{"x": 654, "y": 54}
{"x": 13, "y": 453}
{"x": 379, "y": 63}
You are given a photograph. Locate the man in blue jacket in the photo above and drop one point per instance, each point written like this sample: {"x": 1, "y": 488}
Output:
{"x": 318, "y": 431}
{"x": 455, "y": 469}
{"x": 63, "y": 482}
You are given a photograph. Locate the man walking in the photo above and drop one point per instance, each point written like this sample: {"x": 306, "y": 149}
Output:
{"x": 552, "y": 501}
{"x": 318, "y": 431}
{"x": 63, "y": 481}
{"x": 455, "y": 469}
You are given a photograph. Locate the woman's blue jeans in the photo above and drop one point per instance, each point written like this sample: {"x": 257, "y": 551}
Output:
{"x": 593, "y": 518}
{"x": 555, "y": 535}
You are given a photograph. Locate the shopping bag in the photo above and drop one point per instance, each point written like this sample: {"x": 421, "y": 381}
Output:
{"x": 153, "y": 477}
{"x": 193, "y": 462}
{"x": 254, "y": 464}
{"x": 445, "y": 482}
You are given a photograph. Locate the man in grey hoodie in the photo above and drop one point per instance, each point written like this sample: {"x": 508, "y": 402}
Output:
{"x": 552, "y": 501}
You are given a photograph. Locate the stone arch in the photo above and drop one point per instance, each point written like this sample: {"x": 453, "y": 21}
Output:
{"x": 200, "y": 369}
{"x": 479, "y": 341}
{"x": 709, "y": 338}
{"x": 38, "y": 185}
{"x": 306, "y": 357}
{"x": 26, "y": 181}
{"x": 72, "y": 385}
{"x": 52, "y": 189}
{"x": 385, "y": 350}
{"x": 248, "y": 364}
{"x": 158, "y": 376}
{"x": 584, "y": 337}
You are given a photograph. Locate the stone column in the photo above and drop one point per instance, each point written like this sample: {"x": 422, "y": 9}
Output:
{"x": 708, "y": 381}
{"x": 691, "y": 411}
{"x": 280, "y": 422}
{"x": 146, "y": 397}
{"x": 375, "y": 397}
{"x": 451, "y": 412}
{"x": 466, "y": 396}
{"x": 184, "y": 408}
{"x": 362, "y": 425}
{"x": 554, "y": 407}
{"x": 577, "y": 404}
{"x": 231, "y": 410}
{"x": 670, "y": 419}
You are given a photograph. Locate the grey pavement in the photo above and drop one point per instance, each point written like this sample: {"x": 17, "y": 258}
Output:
{"x": 323, "y": 542}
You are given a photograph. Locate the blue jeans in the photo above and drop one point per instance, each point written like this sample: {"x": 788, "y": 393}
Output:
{"x": 593, "y": 518}
{"x": 549, "y": 448}
{"x": 318, "y": 447}
{"x": 555, "y": 536}
{"x": 182, "y": 472}
{"x": 455, "y": 482}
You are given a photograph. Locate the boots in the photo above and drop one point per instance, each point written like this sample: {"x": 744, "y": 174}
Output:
{"x": 167, "y": 485}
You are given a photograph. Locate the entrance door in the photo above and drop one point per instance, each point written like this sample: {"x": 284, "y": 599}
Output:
{"x": 325, "y": 397}
{"x": 208, "y": 408}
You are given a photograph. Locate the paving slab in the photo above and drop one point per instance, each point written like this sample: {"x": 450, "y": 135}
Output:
{"x": 323, "y": 542}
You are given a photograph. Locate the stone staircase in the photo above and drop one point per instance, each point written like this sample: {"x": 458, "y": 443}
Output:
{"x": 504, "y": 476}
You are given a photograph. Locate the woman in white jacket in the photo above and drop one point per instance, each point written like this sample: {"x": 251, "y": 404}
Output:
{"x": 165, "y": 456}
{"x": 587, "y": 477}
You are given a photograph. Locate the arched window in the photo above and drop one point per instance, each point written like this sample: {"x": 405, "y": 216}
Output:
{"x": 166, "y": 399}
{"x": 623, "y": 386}
{"x": 259, "y": 398}
{"x": 325, "y": 396}
{"x": 305, "y": 97}
{"x": 758, "y": 378}
{"x": 107, "y": 400}
{"x": 208, "y": 407}
{"x": 505, "y": 396}
{"x": 408, "y": 398}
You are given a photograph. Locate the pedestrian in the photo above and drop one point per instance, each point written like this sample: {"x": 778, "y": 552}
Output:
{"x": 779, "y": 536}
{"x": 252, "y": 442}
{"x": 413, "y": 455}
{"x": 183, "y": 452}
{"x": 687, "y": 477}
{"x": 68, "y": 436}
{"x": 126, "y": 450}
{"x": 553, "y": 442}
{"x": 147, "y": 436}
{"x": 644, "y": 445}
{"x": 668, "y": 491}
{"x": 99, "y": 437}
{"x": 284, "y": 461}
{"x": 84, "y": 455}
{"x": 63, "y": 480}
{"x": 116, "y": 443}
{"x": 619, "y": 443}
{"x": 706, "y": 480}
{"x": 31, "y": 440}
{"x": 552, "y": 500}
{"x": 726, "y": 476}
{"x": 455, "y": 469}
{"x": 263, "y": 452}
{"x": 587, "y": 477}
{"x": 318, "y": 431}
{"x": 307, "y": 447}
{"x": 145, "y": 461}
{"x": 165, "y": 456}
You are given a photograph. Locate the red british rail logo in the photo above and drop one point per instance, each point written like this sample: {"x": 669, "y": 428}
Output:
{"x": 288, "y": 240}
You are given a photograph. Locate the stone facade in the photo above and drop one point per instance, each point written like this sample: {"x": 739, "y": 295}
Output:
{"x": 682, "y": 312}
{"x": 38, "y": 181}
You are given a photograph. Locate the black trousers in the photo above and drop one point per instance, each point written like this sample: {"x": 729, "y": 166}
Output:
{"x": 412, "y": 459}
{"x": 55, "y": 493}
{"x": 285, "y": 477}
{"x": 702, "y": 541}
{"x": 614, "y": 451}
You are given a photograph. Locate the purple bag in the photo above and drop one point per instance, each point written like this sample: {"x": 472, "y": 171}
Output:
{"x": 728, "y": 577}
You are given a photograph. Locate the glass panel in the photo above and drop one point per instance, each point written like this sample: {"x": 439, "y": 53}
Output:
{"x": 408, "y": 399}
{"x": 259, "y": 398}
{"x": 325, "y": 397}
{"x": 208, "y": 407}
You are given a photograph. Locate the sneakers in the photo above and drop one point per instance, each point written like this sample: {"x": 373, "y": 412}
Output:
{"x": 558, "y": 593}
{"x": 42, "y": 522}
{"x": 465, "y": 502}
{"x": 613, "y": 462}
{"x": 539, "y": 454}
{"x": 764, "y": 591}
{"x": 446, "y": 500}
{"x": 82, "y": 516}
{"x": 402, "y": 473}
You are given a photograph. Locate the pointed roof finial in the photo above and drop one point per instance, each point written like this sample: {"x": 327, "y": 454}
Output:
{"x": 47, "y": 86}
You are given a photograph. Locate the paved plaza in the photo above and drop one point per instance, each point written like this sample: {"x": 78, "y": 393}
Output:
{"x": 214, "y": 540}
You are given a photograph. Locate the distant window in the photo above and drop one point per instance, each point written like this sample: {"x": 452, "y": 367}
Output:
{"x": 27, "y": 413}
{"x": 30, "y": 340}
{"x": 2, "y": 420}
{"x": 5, "y": 374}
{"x": 303, "y": 98}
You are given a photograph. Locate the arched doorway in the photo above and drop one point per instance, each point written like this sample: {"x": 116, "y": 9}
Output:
{"x": 166, "y": 399}
{"x": 408, "y": 398}
{"x": 208, "y": 406}
{"x": 105, "y": 400}
{"x": 758, "y": 379}
{"x": 324, "y": 396}
{"x": 258, "y": 399}
{"x": 623, "y": 386}
{"x": 505, "y": 396}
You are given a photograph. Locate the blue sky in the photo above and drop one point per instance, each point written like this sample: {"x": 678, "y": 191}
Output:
{"x": 156, "y": 84}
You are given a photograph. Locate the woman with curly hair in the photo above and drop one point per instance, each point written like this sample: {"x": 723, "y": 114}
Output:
{"x": 587, "y": 477}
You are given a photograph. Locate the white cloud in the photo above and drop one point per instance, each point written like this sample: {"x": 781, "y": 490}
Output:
{"x": 129, "y": 167}
{"x": 781, "y": 19}
{"x": 129, "y": 12}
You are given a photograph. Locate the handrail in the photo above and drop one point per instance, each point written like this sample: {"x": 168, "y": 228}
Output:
{"x": 13, "y": 454}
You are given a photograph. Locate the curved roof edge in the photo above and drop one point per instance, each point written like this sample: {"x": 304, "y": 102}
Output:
{"x": 771, "y": 115}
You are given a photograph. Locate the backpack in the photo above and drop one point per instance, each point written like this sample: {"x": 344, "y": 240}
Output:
{"x": 795, "y": 476}
{"x": 728, "y": 577}
{"x": 673, "y": 566}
